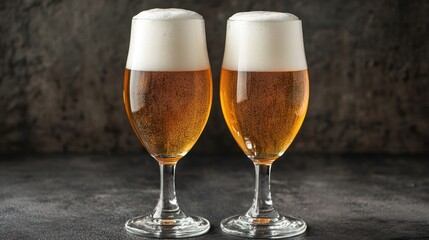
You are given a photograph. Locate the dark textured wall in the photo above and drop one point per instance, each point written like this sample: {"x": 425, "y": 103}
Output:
{"x": 62, "y": 63}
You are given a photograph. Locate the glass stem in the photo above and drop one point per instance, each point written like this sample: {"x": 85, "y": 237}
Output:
{"x": 262, "y": 206}
{"x": 167, "y": 207}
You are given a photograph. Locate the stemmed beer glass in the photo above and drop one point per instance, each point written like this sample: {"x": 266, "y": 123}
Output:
{"x": 264, "y": 93}
{"x": 167, "y": 96}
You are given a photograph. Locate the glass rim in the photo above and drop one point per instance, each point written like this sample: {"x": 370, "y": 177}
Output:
{"x": 166, "y": 20}
{"x": 261, "y": 21}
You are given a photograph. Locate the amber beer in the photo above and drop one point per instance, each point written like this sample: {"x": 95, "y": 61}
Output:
{"x": 264, "y": 110}
{"x": 264, "y": 82}
{"x": 168, "y": 108}
{"x": 167, "y": 82}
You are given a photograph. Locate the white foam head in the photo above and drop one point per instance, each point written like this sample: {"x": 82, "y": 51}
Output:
{"x": 263, "y": 16}
{"x": 264, "y": 41}
{"x": 167, "y": 40}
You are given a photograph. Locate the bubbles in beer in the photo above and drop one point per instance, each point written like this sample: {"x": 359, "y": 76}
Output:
{"x": 167, "y": 40}
{"x": 264, "y": 41}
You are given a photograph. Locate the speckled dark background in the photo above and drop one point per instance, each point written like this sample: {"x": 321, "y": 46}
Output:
{"x": 61, "y": 68}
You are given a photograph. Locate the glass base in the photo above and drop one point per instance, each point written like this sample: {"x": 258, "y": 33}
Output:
{"x": 148, "y": 226}
{"x": 271, "y": 228}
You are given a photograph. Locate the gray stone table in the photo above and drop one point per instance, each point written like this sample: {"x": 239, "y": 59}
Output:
{"x": 91, "y": 196}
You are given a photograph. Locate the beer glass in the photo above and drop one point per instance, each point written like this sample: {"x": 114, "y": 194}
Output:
{"x": 167, "y": 97}
{"x": 264, "y": 93}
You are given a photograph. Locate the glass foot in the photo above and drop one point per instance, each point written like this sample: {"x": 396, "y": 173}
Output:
{"x": 271, "y": 228}
{"x": 148, "y": 226}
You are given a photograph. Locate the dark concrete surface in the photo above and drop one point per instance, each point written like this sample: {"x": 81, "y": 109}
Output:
{"x": 91, "y": 196}
{"x": 62, "y": 63}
